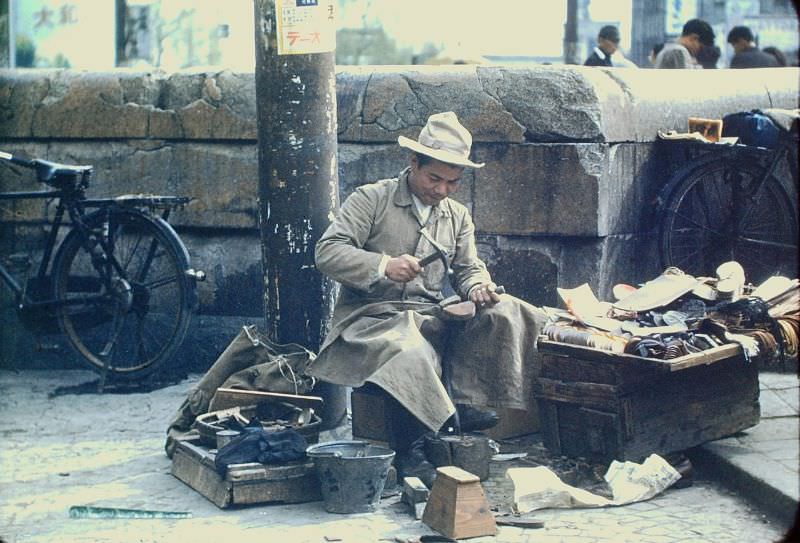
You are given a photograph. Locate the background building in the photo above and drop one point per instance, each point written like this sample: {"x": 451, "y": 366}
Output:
{"x": 177, "y": 34}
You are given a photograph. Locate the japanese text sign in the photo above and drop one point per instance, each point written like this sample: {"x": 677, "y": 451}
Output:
{"x": 305, "y": 26}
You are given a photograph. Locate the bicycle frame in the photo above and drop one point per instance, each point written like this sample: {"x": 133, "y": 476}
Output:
{"x": 74, "y": 208}
{"x": 23, "y": 300}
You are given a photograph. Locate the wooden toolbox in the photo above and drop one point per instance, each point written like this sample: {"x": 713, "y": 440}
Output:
{"x": 605, "y": 406}
{"x": 250, "y": 483}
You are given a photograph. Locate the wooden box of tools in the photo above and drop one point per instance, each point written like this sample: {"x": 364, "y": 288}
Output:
{"x": 250, "y": 483}
{"x": 605, "y": 406}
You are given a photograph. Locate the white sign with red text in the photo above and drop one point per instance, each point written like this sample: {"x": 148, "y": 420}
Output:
{"x": 305, "y": 26}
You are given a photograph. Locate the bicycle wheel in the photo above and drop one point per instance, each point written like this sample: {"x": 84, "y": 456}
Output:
{"x": 718, "y": 212}
{"x": 129, "y": 310}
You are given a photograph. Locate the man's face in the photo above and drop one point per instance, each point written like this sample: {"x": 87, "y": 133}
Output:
{"x": 434, "y": 181}
{"x": 740, "y": 45}
{"x": 608, "y": 46}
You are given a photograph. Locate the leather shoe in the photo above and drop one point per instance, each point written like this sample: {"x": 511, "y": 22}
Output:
{"x": 473, "y": 419}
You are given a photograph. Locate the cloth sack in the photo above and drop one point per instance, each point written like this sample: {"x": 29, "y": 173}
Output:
{"x": 752, "y": 128}
{"x": 256, "y": 444}
{"x": 250, "y": 362}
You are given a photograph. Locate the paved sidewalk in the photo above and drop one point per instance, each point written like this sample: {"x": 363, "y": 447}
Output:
{"x": 107, "y": 450}
{"x": 763, "y": 462}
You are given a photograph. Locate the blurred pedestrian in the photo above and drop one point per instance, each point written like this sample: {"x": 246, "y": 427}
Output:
{"x": 683, "y": 52}
{"x": 607, "y": 44}
{"x": 708, "y": 57}
{"x": 778, "y": 54}
{"x": 746, "y": 54}
{"x": 654, "y": 53}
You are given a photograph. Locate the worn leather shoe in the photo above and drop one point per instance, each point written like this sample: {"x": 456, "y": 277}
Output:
{"x": 473, "y": 419}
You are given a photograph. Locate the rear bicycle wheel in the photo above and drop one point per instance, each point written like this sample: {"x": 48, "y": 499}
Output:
{"x": 718, "y": 211}
{"x": 129, "y": 309}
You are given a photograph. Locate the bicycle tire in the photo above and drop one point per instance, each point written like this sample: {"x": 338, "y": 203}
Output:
{"x": 138, "y": 324}
{"x": 704, "y": 221}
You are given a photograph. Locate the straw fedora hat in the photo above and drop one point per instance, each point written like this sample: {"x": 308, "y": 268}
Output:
{"x": 444, "y": 139}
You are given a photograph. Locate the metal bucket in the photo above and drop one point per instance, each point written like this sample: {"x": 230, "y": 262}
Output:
{"x": 351, "y": 474}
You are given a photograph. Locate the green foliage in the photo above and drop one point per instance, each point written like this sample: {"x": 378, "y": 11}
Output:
{"x": 26, "y": 52}
{"x": 61, "y": 62}
{"x": 369, "y": 46}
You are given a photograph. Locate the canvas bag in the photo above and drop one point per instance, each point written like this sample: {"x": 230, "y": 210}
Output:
{"x": 250, "y": 362}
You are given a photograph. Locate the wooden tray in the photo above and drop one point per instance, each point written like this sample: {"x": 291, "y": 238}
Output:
{"x": 251, "y": 483}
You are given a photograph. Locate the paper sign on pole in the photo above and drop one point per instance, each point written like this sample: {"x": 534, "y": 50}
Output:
{"x": 305, "y": 26}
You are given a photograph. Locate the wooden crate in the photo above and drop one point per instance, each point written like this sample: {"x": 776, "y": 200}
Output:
{"x": 251, "y": 483}
{"x": 606, "y": 406}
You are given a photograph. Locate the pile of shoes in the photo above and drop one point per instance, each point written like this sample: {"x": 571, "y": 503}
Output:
{"x": 677, "y": 314}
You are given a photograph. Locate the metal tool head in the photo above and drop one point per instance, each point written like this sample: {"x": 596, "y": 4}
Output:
{"x": 439, "y": 253}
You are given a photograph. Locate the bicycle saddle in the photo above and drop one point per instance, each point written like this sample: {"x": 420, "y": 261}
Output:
{"x": 46, "y": 171}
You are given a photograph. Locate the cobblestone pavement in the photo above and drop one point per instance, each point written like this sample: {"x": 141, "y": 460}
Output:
{"x": 107, "y": 450}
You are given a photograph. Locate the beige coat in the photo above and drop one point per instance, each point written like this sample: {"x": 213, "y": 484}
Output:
{"x": 393, "y": 334}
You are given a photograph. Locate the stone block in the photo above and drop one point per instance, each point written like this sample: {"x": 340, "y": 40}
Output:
{"x": 630, "y": 176}
{"x": 536, "y": 189}
{"x": 17, "y": 179}
{"x": 21, "y": 93}
{"x": 221, "y": 179}
{"x": 551, "y": 103}
{"x": 527, "y": 268}
{"x": 382, "y": 104}
{"x": 234, "y": 282}
{"x": 664, "y": 99}
{"x": 87, "y": 105}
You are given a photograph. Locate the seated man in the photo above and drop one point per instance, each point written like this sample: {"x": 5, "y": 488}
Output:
{"x": 388, "y": 327}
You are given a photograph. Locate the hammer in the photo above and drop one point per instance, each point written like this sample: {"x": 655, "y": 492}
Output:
{"x": 440, "y": 253}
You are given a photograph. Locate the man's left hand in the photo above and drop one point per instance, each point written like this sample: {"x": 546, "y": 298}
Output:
{"x": 484, "y": 295}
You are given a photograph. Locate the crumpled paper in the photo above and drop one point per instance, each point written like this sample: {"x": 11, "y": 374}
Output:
{"x": 540, "y": 488}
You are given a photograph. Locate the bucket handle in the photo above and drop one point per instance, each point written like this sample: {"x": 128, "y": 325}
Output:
{"x": 332, "y": 454}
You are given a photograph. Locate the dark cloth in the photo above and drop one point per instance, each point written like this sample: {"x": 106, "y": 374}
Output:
{"x": 259, "y": 445}
{"x": 595, "y": 59}
{"x": 250, "y": 362}
{"x": 753, "y": 58}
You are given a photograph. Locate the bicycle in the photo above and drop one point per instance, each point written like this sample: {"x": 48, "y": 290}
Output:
{"x": 119, "y": 285}
{"x": 730, "y": 204}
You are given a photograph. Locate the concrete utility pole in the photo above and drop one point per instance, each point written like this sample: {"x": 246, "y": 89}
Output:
{"x": 571, "y": 33}
{"x": 298, "y": 182}
{"x": 648, "y": 29}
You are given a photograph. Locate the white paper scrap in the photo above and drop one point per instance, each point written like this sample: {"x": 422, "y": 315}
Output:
{"x": 540, "y": 488}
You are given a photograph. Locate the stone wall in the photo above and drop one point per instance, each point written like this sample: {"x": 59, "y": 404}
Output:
{"x": 566, "y": 197}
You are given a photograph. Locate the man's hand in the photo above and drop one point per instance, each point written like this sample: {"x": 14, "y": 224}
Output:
{"x": 403, "y": 268}
{"x": 484, "y": 295}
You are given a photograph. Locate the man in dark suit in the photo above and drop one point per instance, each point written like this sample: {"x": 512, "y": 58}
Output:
{"x": 747, "y": 55}
{"x": 607, "y": 44}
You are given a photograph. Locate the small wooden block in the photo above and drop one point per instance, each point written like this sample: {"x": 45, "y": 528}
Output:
{"x": 414, "y": 490}
{"x": 457, "y": 507}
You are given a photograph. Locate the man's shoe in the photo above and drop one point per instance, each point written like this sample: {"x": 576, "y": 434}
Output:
{"x": 473, "y": 419}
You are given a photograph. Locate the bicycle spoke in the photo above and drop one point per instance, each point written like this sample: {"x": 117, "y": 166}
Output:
{"x": 697, "y": 224}
{"x": 156, "y": 283}
{"x": 771, "y": 244}
{"x": 131, "y": 253}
